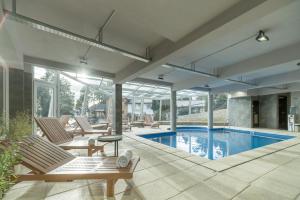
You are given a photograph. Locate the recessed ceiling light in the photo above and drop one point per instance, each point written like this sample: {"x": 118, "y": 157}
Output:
{"x": 161, "y": 77}
{"x": 261, "y": 37}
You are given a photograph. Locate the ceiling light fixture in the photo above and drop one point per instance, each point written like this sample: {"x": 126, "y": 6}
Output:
{"x": 161, "y": 77}
{"x": 261, "y": 37}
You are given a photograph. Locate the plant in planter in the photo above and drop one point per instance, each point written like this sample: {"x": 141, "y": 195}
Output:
{"x": 19, "y": 127}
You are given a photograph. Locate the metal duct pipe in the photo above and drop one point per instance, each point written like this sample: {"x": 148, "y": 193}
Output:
{"x": 72, "y": 36}
{"x": 168, "y": 65}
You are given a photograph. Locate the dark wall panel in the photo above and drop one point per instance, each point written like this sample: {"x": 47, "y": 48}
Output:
{"x": 20, "y": 92}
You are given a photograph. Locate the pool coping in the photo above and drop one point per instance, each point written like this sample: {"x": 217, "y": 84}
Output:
{"x": 226, "y": 162}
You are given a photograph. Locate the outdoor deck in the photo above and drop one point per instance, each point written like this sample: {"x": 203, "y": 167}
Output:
{"x": 269, "y": 172}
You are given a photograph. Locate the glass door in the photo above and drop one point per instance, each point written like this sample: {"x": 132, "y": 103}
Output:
{"x": 45, "y": 99}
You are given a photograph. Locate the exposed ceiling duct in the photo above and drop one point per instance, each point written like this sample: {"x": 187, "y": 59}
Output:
{"x": 72, "y": 36}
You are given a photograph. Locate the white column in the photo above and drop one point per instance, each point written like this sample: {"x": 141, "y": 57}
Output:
{"x": 117, "y": 109}
{"x": 142, "y": 108}
{"x": 160, "y": 106}
{"x": 173, "y": 111}
{"x": 190, "y": 105}
{"x": 210, "y": 111}
{"x": 133, "y": 109}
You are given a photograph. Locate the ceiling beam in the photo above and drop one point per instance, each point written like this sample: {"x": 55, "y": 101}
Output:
{"x": 243, "y": 12}
{"x": 266, "y": 82}
{"x": 152, "y": 82}
{"x": 293, "y": 87}
{"x": 255, "y": 64}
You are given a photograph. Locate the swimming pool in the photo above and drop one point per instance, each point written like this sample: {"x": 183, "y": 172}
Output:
{"x": 215, "y": 143}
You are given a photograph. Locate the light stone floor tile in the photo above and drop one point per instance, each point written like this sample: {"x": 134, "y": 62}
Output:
{"x": 197, "y": 159}
{"x": 286, "y": 176}
{"x": 182, "y": 154}
{"x": 55, "y": 188}
{"x": 226, "y": 185}
{"x": 128, "y": 195}
{"x": 199, "y": 192}
{"x": 36, "y": 191}
{"x": 257, "y": 193}
{"x": 234, "y": 160}
{"x": 163, "y": 170}
{"x": 182, "y": 164}
{"x": 200, "y": 173}
{"x": 90, "y": 192}
{"x": 157, "y": 190}
{"x": 277, "y": 187}
{"x": 242, "y": 174}
{"x": 169, "y": 157}
{"x": 146, "y": 163}
{"x": 142, "y": 177}
{"x": 216, "y": 165}
{"x": 259, "y": 166}
{"x": 171, "y": 150}
{"x": 278, "y": 158}
{"x": 181, "y": 181}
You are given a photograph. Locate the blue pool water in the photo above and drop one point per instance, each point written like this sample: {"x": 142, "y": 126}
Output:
{"x": 216, "y": 143}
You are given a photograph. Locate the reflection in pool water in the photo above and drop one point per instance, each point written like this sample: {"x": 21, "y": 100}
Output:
{"x": 215, "y": 144}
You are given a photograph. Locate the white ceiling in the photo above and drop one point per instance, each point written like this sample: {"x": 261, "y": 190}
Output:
{"x": 138, "y": 24}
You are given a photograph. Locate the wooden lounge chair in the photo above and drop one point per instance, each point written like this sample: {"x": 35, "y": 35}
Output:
{"x": 48, "y": 162}
{"x": 86, "y": 127}
{"x": 56, "y": 134}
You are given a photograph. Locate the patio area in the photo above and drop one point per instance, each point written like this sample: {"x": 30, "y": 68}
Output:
{"x": 269, "y": 172}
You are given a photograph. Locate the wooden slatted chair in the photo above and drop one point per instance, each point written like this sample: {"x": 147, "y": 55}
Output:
{"x": 55, "y": 133}
{"x": 86, "y": 127}
{"x": 49, "y": 162}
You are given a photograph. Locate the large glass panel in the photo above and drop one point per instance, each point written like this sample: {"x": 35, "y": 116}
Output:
{"x": 45, "y": 101}
{"x": 1, "y": 92}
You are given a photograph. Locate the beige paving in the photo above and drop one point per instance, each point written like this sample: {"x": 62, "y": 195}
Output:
{"x": 271, "y": 172}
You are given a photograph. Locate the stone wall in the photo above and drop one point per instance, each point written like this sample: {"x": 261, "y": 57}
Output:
{"x": 240, "y": 112}
{"x": 295, "y": 101}
{"x": 268, "y": 111}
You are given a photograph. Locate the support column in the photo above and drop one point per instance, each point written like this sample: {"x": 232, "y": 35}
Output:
{"x": 117, "y": 109}
{"x": 173, "y": 111}
{"x": 210, "y": 111}
{"x": 133, "y": 109}
{"x": 160, "y": 106}
{"x": 142, "y": 108}
{"x": 190, "y": 105}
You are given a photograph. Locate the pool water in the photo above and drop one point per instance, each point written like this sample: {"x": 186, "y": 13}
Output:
{"x": 216, "y": 143}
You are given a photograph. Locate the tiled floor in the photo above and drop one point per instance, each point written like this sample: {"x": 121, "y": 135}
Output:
{"x": 166, "y": 173}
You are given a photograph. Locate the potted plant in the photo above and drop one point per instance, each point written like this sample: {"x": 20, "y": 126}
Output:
{"x": 10, "y": 136}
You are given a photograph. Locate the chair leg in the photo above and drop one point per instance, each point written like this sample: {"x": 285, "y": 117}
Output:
{"x": 90, "y": 151}
{"x": 110, "y": 185}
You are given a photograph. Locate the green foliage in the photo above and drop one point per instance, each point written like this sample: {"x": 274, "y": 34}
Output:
{"x": 10, "y": 136}
{"x": 67, "y": 97}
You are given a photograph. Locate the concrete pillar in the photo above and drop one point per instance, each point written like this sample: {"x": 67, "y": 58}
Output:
{"x": 142, "y": 108}
{"x": 117, "y": 109}
{"x": 210, "y": 123}
{"x": 173, "y": 111}
{"x": 210, "y": 145}
{"x": 133, "y": 109}
{"x": 160, "y": 108}
{"x": 190, "y": 105}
